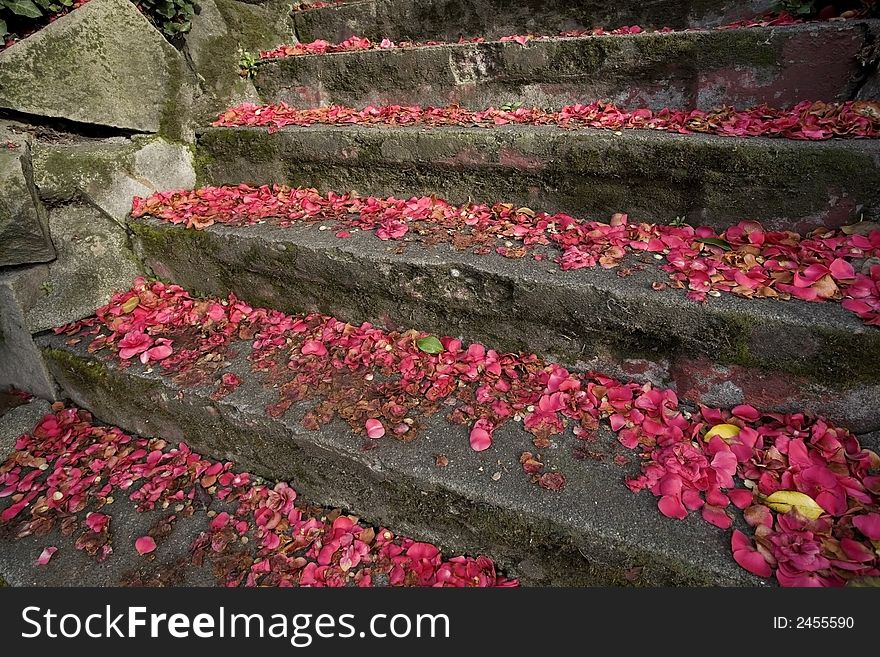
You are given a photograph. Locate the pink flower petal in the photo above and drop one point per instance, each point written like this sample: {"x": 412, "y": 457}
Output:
{"x": 671, "y": 507}
{"x": 481, "y": 440}
{"x": 314, "y": 347}
{"x": 841, "y": 270}
{"x": 747, "y": 556}
{"x": 375, "y": 429}
{"x": 869, "y": 525}
{"x": 741, "y": 497}
{"x": 46, "y": 555}
{"x": 716, "y": 516}
{"x": 145, "y": 545}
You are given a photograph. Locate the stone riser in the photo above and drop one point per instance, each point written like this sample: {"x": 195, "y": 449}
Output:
{"x": 451, "y": 19}
{"x": 654, "y": 176}
{"x": 704, "y": 70}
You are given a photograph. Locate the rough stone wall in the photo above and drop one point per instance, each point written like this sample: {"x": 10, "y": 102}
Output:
{"x": 95, "y": 109}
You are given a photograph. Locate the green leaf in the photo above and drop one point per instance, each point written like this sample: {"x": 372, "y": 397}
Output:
{"x": 430, "y": 345}
{"x": 3, "y": 31}
{"x": 714, "y": 241}
{"x": 24, "y": 8}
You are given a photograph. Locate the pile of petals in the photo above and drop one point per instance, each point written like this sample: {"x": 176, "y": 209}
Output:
{"x": 745, "y": 260}
{"x": 813, "y": 121}
{"x": 384, "y": 385}
{"x": 359, "y": 43}
{"x": 63, "y": 476}
{"x": 831, "y": 534}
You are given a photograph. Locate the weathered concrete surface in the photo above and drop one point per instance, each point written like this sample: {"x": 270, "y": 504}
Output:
{"x": 109, "y": 173}
{"x": 219, "y": 31}
{"x": 102, "y": 64}
{"x": 791, "y": 356}
{"x": 21, "y": 364}
{"x": 124, "y": 567}
{"x": 684, "y": 70}
{"x": 24, "y": 233}
{"x": 654, "y": 176}
{"x": 21, "y": 419}
{"x": 592, "y": 532}
{"x": 94, "y": 261}
{"x": 450, "y": 19}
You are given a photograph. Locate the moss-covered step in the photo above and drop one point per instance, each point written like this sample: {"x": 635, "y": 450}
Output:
{"x": 451, "y": 19}
{"x": 703, "y": 69}
{"x": 652, "y": 175}
{"x": 594, "y": 531}
{"x": 791, "y": 356}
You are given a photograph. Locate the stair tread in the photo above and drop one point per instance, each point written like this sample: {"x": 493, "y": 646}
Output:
{"x": 595, "y": 511}
{"x": 181, "y": 527}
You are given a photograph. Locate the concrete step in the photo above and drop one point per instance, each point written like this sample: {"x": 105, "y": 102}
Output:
{"x": 653, "y": 176}
{"x": 434, "y": 487}
{"x": 745, "y": 67}
{"x": 192, "y": 546}
{"x": 451, "y": 19}
{"x": 778, "y": 355}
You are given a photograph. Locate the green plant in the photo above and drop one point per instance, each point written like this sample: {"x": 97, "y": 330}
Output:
{"x": 20, "y": 17}
{"x": 15, "y": 12}
{"x": 173, "y": 17}
{"x": 247, "y": 62}
{"x": 797, "y": 7}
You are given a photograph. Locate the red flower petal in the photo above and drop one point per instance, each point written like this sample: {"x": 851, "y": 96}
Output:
{"x": 46, "y": 554}
{"x": 481, "y": 439}
{"x": 869, "y": 525}
{"x": 375, "y": 429}
{"x": 145, "y": 545}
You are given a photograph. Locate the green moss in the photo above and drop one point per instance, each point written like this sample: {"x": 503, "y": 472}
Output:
{"x": 846, "y": 359}
{"x": 175, "y": 113}
{"x": 82, "y": 369}
{"x": 258, "y": 27}
{"x": 203, "y": 162}
{"x": 61, "y": 170}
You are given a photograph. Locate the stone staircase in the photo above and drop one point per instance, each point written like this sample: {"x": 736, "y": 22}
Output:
{"x": 779, "y": 356}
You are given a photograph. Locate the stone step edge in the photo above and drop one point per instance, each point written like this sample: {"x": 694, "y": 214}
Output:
{"x": 701, "y": 69}
{"x": 337, "y": 21}
{"x": 808, "y": 354}
{"x": 590, "y": 173}
{"x": 571, "y": 539}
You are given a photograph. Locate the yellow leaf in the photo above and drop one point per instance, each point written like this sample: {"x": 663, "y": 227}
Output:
{"x": 784, "y": 501}
{"x": 723, "y": 431}
{"x": 131, "y": 304}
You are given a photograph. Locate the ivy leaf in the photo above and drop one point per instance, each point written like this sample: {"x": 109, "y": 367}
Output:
{"x": 23, "y": 8}
{"x": 714, "y": 241}
{"x": 430, "y": 345}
